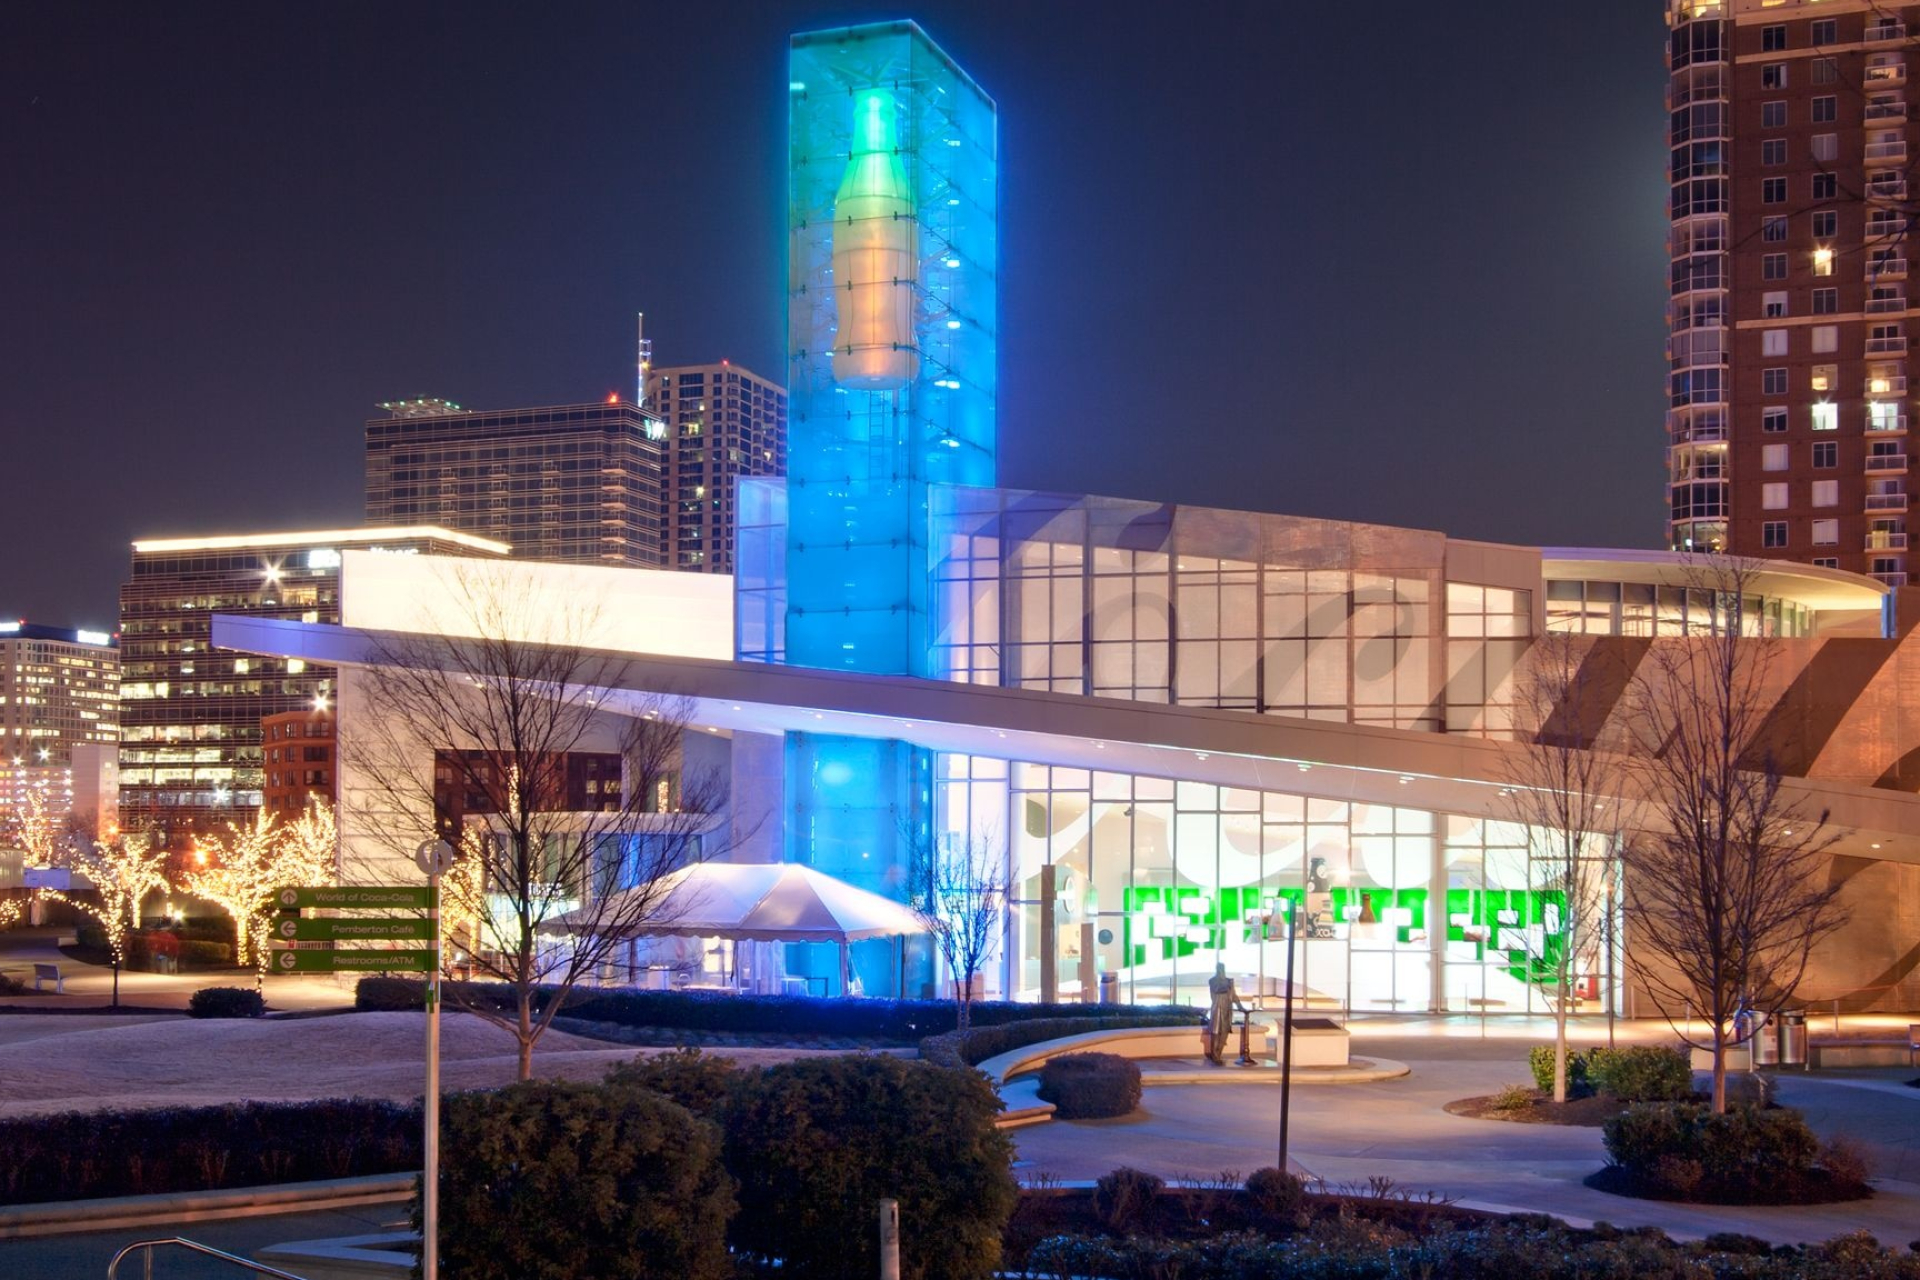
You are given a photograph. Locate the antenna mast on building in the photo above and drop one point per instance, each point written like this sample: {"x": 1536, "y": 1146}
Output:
{"x": 645, "y": 358}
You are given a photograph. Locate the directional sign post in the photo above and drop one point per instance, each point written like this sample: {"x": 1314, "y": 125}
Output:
{"x": 298, "y": 929}
{"x": 384, "y": 961}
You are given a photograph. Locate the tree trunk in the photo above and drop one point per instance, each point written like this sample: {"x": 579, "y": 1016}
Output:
{"x": 1719, "y": 1071}
{"x": 1560, "y": 1044}
{"x": 525, "y": 1036}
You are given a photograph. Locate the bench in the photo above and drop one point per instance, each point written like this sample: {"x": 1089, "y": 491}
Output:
{"x": 45, "y": 973}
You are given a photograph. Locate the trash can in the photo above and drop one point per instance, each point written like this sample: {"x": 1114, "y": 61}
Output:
{"x": 1791, "y": 1032}
{"x": 1109, "y": 988}
{"x": 1765, "y": 1044}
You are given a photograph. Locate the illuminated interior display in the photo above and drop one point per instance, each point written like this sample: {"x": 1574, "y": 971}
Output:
{"x": 875, "y": 254}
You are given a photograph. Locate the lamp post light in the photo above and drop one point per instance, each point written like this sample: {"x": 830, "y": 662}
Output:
{"x": 1286, "y": 1038}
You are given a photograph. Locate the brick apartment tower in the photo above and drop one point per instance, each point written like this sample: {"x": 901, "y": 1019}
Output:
{"x": 722, "y": 421}
{"x": 1791, "y": 217}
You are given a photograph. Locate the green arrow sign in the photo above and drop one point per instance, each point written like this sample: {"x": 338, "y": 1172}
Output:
{"x": 295, "y": 929}
{"x": 351, "y": 961}
{"x": 362, "y": 897}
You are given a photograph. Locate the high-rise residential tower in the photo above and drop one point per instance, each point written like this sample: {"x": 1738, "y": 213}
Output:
{"x": 191, "y": 753}
{"x": 1789, "y": 314}
{"x": 721, "y": 421}
{"x": 58, "y": 688}
{"x": 579, "y": 484}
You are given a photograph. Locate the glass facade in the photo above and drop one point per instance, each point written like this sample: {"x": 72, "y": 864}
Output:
{"x": 1646, "y": 609}
{"x": 891, "y": 324}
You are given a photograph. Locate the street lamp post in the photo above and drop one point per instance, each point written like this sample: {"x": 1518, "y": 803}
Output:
{"x": 1286, "y": 1041}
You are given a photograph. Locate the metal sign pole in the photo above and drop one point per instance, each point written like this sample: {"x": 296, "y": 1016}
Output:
{"x": 435, "y": 857}
{"x": 430, "y": 1192}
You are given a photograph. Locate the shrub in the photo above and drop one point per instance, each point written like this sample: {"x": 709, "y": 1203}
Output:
{"x": 1540, "y": 1061}
{"x": 226, "y": 1002}
{"x": 1090, "y": 1086}
{"x": 206, "y": 929}
{"x": 145, "y": 945}
{"x": 83, "y": 1155}
{"x": 1125, "y": 1196}
{"x": 88, "y": 936}
{"x": 11, "y": 986}
{"x": 1845, "y": 1162}
{"x": 898, "y": 1020}
{"x": 1746, "y": 1156}
{"x": 551, "y": 1178}
{"x": 1514, "y": 1097}
{"x": 816, "y": 1143}
{"x": 198, "y": 952}
{"x": 389, "y": 995}
{"x": 1276, "y": 1193}
{"x": 1640, "y": 1073}
{"x": 697, "y": 1081}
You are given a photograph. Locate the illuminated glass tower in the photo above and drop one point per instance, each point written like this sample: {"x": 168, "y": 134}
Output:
{"x": 891, "y": 321}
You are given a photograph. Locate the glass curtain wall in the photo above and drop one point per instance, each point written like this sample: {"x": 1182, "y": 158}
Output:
{"x": 1401, "y": 909}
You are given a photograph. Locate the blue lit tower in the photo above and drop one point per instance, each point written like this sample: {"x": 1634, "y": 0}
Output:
{"x": 891, "y": 319}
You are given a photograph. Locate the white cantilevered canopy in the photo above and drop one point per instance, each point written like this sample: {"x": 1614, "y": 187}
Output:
{"x": 758, "y": 902}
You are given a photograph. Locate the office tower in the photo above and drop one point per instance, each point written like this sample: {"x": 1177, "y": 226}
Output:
{"x": 58, "y": 688}
{"x": 191, "y": 754}
{"x": 59, "y": 702}
{"x": 721, "y": 421}
{"x": 1791, "y": 216}
{"x": 576, "y": 483}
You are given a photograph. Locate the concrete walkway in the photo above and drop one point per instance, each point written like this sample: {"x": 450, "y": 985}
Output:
{"x": 90, "y": 986}
{"x": 1397, "y": 1129}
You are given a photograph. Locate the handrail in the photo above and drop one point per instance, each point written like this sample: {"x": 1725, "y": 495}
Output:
{"x": 257, "y": 1268}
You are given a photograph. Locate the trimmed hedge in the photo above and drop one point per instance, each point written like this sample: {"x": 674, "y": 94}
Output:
{"x": 83, "y": 1155}
{"x": 1682, "y": 1151}
{"x": 226, "y": 1002}
{"x": 551, "y": 1178}
{"x": 897, "y": 1020}
{"x": 1533, "y": 1247}
{"x": 198, "y": 953}
{"x": 816, "y": 1143}
{"x": 697, "y": 1081}
{"x": 1090, "y": 1086}
{"x": 1638, "y": 1073}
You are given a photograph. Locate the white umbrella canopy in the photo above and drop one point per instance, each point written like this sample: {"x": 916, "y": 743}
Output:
{"x": 757, "y": 901}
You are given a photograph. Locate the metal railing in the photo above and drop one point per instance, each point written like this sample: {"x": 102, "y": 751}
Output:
{"x": 1878, "y": 541}
{"x": 1883, "y": 462}
{"x": 1879, "y": 306}
{"x": 1886, "y": 74}
{"x": 1886, "y": 111}
{"x": 1894, "y": 579}
{"x": 1893, "y": 424}
{"x": 148, "y": 1246}
{"x": 1886, "y": 502}
{"x": 1886, "y": 346}
{"x": 1885, "y": 268}
{"x": 1886, "y": 152}
{"x": 1886, "y": 30}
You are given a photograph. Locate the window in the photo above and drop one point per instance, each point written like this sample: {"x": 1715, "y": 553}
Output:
{"x": 1826, "y": 187}
{"x": 1826, "y": 147}
{"x": 1823, "y": 32}
{"x": 1826, "y": 416}
{"x": 1773, "y": 533}
{"x": 1826, "y": 224}
{"x": 1825, "y": 377}
{"x": 1773, "y": 342}
{"x": 1825, "y": 71}
{"x": 1773, "y": 39}
{"x": 1823, "y": 262}
{"x": 1773, "y": 76}
{"x": 1826, "y": 533}
{"x": 1825, "y": 109}
{"x": 1773, "y": 229}
{"x": 1773, "y": 115}
{"x": 1773, "y": 457}
{"x": 1826, "y": 338}
{"x": 1774, "y": 305}
{"x": 1773, "y": 151}
{"x": 1826, "y": 493}
{"x": 1773, "y": 191}
{"x": 1826, "y": 562}
{"x": 1774, "y": 418}
{"x": 1773, "y": 496}
{"x": 1773, "y": 382}
{"x": 1826, "y": 302}
{"x": 1773, "y": 266}
{"x": 1826, "y": 453}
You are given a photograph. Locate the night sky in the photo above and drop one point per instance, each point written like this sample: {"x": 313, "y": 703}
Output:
{"x": 1399, "y": 262}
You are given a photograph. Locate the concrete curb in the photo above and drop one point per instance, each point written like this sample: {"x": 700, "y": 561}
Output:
{"x": 71, "y": 1216}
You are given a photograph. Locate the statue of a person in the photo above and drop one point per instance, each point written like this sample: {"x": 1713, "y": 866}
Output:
{"x": 1220, "y": 1016}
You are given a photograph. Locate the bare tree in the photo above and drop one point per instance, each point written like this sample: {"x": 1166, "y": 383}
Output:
{"x": 244, "y": 871}
{"x": 958, "y": 889}
{"x": 1567, "y": 797}
{"x": 1730, "y": 882}
{"x": 489, "y": 727}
